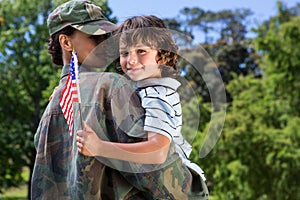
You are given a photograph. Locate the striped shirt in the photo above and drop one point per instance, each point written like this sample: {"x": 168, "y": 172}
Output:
{"x": 163, "y": 114}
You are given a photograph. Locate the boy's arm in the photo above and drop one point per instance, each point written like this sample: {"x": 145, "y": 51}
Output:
{"x": 152, "y": 151}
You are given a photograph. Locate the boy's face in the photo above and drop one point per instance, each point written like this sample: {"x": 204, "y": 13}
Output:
{"x": 139, "y": 62}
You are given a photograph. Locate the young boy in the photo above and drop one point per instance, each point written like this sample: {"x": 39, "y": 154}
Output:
{"x": 148, "y": 56}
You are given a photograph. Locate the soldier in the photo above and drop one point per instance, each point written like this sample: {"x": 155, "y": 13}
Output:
{"x": 59, "y": 171}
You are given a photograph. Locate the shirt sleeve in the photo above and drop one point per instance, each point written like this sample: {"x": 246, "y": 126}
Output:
{"x": 162, "y": 110}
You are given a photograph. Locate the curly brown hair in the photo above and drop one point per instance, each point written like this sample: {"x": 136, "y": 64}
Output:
{"x": 151, "y": 31}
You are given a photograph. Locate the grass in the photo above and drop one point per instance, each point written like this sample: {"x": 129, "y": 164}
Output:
{"x": 19, "y": 192}
{"x": 15, "y": 193}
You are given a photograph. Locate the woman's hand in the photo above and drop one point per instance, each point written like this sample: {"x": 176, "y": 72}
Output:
{"x": 87, "y": 141}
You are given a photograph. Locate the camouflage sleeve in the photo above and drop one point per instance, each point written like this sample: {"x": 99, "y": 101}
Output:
{"x": 126, "y": 112}
{"x": 53, "y": 153}
{"x": 111, "y": 107}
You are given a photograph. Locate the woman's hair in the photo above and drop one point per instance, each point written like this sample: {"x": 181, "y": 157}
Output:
{"x": 151, "y": 31}
{"x": 54, "y": 47}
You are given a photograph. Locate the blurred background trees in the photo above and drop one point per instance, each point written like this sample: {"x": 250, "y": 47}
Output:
{"x": 28, "y": 78}
{"x": 257, "y": 155}
{"x": 25, "y": 72}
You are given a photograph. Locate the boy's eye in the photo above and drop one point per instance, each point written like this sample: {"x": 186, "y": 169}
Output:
{"x": 140, "y": 51}
{"x": 124, "y": 53}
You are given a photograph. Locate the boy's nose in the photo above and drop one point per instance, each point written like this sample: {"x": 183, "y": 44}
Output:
{"x": 132, "y": 59}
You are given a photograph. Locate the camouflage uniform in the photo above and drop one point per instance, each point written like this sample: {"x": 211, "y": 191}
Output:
{"x": 54, "y": 148}
{"x": 62, "y": 173}
{"x": 110, "y": 106}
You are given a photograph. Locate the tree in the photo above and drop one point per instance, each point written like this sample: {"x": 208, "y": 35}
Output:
{"x": 238, "y": 58}
{"x": 257, "y": 155}
{"x": 27, "y": 79}
{"x": 232, "y": 52}
{"x": 233, "y": 24}
{"x": 278, "y": 41}
{"x": 25, "y": 73}
{"x": 182, "y": 37}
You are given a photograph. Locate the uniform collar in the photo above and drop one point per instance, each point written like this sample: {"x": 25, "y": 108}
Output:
{"x": 65, "y": 71}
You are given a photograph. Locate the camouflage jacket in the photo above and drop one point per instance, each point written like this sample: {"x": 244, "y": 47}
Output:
{"x": 59, "y": 171}
{"x": 111, "y": 107}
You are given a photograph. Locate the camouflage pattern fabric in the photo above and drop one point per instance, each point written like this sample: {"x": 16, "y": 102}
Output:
{"x": 60, "y": 172}
{"x": 54, "y": 149}
{"x": 112, "y": 109}
{"x": 172, "y": 180}
{"x": 80, "y": 14}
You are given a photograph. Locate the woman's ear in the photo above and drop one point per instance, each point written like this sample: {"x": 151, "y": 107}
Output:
{"x": 65, "y": 42}
{"x": 66, "y": 47}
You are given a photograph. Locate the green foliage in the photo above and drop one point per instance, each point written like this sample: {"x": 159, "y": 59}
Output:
{"x": 257, "y": 155}
{"x": 282, "y": 56}
{"x": 237, "y": 58}
{"x": 195, "y": 114}
{"x": 200, "y": 71}
{"x": 25, "y": 73}
{"x": 28, "y": 78}
{"x": 255, "y": 158}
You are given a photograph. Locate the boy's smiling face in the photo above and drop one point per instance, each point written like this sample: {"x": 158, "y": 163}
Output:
{"x": 139, "y": 62}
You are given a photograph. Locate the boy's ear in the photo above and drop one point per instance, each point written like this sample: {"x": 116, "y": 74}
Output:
{"x": 65, "y": 42}
{"x": 159, "y": 60}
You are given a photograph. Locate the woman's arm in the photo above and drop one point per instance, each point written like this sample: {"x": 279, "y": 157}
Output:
{"x": 152, "y": 151}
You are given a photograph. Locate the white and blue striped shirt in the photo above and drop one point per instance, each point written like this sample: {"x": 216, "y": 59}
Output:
{"x": 163, "y": 114}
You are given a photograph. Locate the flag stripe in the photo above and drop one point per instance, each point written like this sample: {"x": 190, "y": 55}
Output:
{"x": 70, "y": 93}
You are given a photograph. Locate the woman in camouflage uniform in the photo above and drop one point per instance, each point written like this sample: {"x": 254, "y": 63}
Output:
{"x": 59, "y": 171}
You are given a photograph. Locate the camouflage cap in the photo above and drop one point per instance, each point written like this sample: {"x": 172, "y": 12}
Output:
{"x": 82, "y": 15}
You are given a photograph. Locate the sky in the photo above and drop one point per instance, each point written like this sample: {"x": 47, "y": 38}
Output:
{"x": 123, "y": 9}
{"x": 262, "y": 9}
